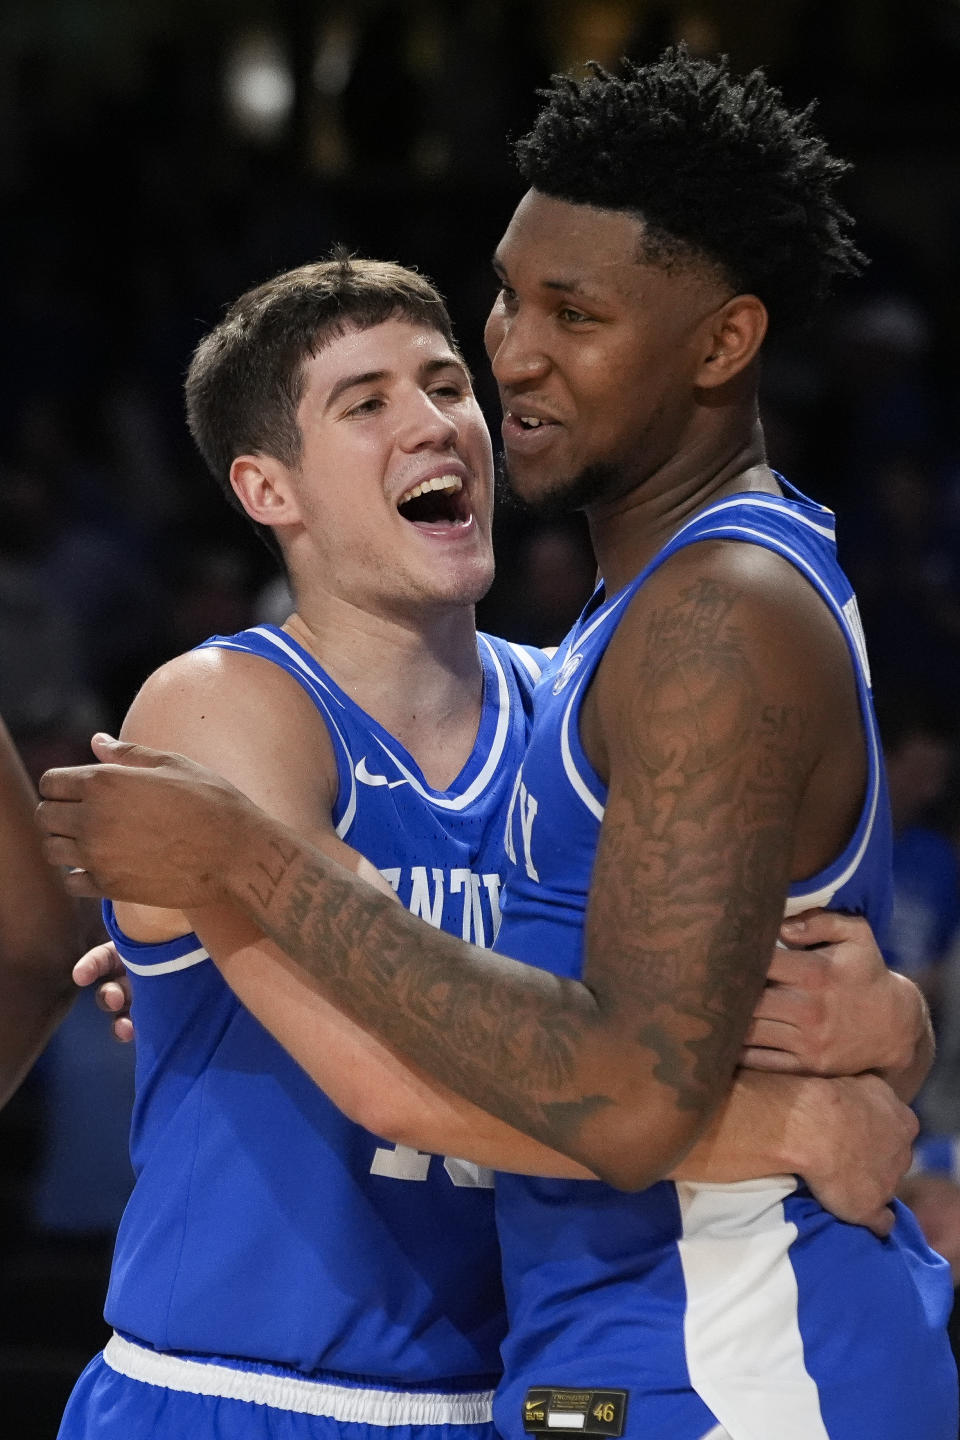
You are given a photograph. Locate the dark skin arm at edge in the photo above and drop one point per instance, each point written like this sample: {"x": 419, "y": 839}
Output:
{"x": 38, "y": 930}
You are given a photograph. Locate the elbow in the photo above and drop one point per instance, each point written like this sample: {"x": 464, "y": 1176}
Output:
{"x": 634, "y": 1155}
{"x": 383, "y": 1114}
{"x": 635, "y": 1174}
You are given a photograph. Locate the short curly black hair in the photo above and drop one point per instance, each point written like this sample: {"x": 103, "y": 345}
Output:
{"x": 717, "y": 167}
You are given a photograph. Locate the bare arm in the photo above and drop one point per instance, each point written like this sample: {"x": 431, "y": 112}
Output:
{"x": 622, "y": 1071}
{"x": 38, "y": 932}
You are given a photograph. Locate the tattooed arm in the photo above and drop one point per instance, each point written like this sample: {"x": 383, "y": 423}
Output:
{"x": 735, "y": 762}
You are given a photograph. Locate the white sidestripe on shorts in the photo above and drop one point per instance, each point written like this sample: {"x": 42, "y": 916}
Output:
{"x": 741, "y": 1318}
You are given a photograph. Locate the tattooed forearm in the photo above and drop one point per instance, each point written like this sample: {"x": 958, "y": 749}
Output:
{"x": 270, "y": 871}
{"x": 430, "y": 996}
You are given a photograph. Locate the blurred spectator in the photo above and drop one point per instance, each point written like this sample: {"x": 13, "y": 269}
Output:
{"x": 932, "y": 1191}
{"x": 939, "y": 1101}
{"x": 83, "y": 1176}
{"x": 902, "y": 555}
{"x": 935, "y": 1201}
{"x": 545, "y": 575}
{"x": 921, "y": 747}
{"x": 553, "y": 581}
{"x": 42, "y": 670}
{"x": 921, "y": 751}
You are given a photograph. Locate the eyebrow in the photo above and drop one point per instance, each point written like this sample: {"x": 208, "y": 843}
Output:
{"x": 374, "y": 377}
{"x": 566, "y": 287}
{"x": 367, "y": 377}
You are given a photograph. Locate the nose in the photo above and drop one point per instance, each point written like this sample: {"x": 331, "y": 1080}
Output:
{"x": 425, "y": 425}
{"x": 515, "y": 348}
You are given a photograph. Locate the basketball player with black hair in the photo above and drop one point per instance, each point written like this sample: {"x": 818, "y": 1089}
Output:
{"x": 704, "y": 756}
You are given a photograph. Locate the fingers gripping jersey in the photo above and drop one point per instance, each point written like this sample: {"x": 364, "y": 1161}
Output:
{"x": 745, "y": 1305}
{"x": 263, "y": 1223}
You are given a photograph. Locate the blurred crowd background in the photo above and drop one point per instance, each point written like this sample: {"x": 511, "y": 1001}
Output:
{"x": 159, "y": 156}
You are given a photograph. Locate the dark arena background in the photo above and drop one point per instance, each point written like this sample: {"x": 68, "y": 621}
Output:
{"x": 159, "y": 156}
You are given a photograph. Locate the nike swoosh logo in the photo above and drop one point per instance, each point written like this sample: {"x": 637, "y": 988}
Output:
{"x": 365, "y": 777}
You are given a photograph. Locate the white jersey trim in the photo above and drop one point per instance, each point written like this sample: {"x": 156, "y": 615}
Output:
{"x": 778, "y": 503}
{"x": 570, "y": 765}
{"x": 813, "y": 899}
{"x": 606, "y": 609}
{"x": 460, "y": 802}
{"x": 526, "y": 660}
{"x": 741, "y": 1329}
{"x": 303, "y": 1397}
{"x": 168, "y": 967}
{"x": 350, "y": 809}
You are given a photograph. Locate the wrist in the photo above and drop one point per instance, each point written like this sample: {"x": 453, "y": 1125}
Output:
{"x": 807, "y": 1100}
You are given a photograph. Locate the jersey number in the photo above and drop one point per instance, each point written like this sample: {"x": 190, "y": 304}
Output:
{"x": 400, "y": 1162}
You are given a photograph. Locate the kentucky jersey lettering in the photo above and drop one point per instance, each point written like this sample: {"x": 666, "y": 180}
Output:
{"x": 423, "y": 890}
{"x": 745, "y": 1307}
{"x": 263, "y": 1223}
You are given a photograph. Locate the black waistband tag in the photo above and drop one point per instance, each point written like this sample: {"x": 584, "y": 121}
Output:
{"x": 583, "y": 1412}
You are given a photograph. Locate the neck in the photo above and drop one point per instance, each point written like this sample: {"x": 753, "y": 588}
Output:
{"x": 421, "y": 679}
{"x": 628, "y": 531}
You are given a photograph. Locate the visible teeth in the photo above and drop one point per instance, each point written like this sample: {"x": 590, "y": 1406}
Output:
{"x": 450, "y": 483}
{"x": 531, "y": 420}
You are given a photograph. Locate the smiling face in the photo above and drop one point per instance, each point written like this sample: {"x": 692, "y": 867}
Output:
{"x": 390, "y": 507}
{"x": 596, "y": 353}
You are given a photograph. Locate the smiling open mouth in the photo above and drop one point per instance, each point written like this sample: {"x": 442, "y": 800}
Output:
{"x": 439, "y": 501}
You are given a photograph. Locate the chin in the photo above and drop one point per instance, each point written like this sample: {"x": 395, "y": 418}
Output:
{"x": 552, "y": 496}
{"x": 473, "y": 590}
{"x": 464, "y": 589}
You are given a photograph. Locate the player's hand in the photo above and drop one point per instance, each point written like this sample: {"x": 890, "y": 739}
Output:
{"x": 103, "y": 967}
{"x": 836, "y": 1009}
{"x": 855, "y": 1140}
{"x": 147, "y": 826}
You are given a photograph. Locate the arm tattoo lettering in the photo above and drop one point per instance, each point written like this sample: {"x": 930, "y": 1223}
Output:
{"x": 694, "y": 862}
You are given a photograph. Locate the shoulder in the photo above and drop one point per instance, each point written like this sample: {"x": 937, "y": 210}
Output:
{"x": 724, "y": 632}
{"x": 215, "y": 685}
{"x": 238, "y": 713}
{"x": 736, "y": 597}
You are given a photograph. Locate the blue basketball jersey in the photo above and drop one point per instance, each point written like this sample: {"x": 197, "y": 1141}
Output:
{"x": 743, "y": 1306}
{"x": 264, "y": 1224}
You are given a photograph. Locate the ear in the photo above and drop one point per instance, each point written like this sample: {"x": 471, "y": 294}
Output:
{"x": 263, "y": 487}
{"x": 735, "y": 334}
